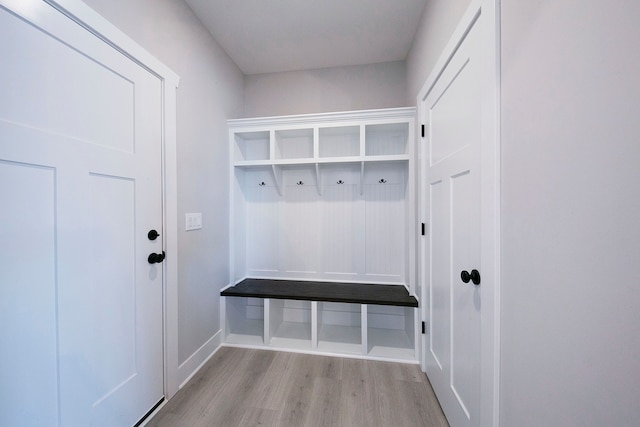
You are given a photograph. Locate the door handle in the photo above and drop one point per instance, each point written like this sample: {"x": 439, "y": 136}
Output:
{"x": 155, "y": 258}
{"x": 474, "y": 276}
{"x": 153, "y": 234}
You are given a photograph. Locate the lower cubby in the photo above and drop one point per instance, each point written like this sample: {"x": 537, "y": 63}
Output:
{"x": 289, "y": 324}
{"x": 391, "y": 332}
{"x": 340, "y": 328}
{"x": 244, "y": 321}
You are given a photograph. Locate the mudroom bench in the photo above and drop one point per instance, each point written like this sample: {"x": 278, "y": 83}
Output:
{"x": 323, "y": 234}
{"x": 349, "y": 319}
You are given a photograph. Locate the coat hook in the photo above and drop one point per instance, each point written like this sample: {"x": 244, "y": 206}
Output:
{"x": 300, "y": 183}
{"x": 383, "y": 181}
{"x": 261, "y": 184}
{"x": 340, "y": 182}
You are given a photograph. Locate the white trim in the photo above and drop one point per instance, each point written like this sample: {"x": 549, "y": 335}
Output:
{"x": 308, "y": 120}
{"x": 199, "y": 358}
{"x": 468, "y": 19}
{"x": 153, "y": 414}
{"x": 170, "y": 226}
{"x": 83, "y": 15}
{"x": 96, "y": 24}
{"x": 490, "y": 189}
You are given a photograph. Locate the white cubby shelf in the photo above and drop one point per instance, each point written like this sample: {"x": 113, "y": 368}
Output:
{"x": 324, "y": 198}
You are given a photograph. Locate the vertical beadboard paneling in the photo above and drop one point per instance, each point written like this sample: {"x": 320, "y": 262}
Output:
{"x": 299, "y": 244}
{"x": 384, "y": 230}
{"x": 262, "y": 222}
{"x": 339, "y": 231}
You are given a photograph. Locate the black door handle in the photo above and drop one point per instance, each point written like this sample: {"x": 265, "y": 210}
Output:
{"x": 155, "y": 258}
{"x": 474, "y": 276}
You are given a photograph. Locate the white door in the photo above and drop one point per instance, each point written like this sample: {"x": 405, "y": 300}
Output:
{"x": 452, "y": 114}
{"x": 80, "y": 187}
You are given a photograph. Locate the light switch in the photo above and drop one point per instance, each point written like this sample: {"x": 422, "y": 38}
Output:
{"x": 193, "y": 221}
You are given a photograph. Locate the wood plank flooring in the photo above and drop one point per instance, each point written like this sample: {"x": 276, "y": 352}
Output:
{"x": 244, "y": 387}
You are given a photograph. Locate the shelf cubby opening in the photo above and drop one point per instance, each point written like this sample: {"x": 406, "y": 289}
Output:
{"x": 251, "y": 146}
{"x": 290, "y": 324}
{"x": 340, "y": 328}
{"x": 294, "y": 144}
{"x": 390, "y": 332}
{"x": 386, "y": 139}
{"x": 244, "y": 320}
{"x": 339, "y": 141}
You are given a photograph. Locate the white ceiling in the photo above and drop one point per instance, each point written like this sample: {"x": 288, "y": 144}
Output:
{"x": 265, "y": 36}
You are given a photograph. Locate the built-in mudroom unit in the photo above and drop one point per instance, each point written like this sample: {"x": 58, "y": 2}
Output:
{"x": 323, "y": 235}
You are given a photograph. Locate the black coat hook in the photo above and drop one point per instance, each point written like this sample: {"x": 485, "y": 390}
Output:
{"x": 383, "y": 181}
{"x": 300, "y": 183}
{"x": 261, "y": 184}
{"x": 340, "y": 182}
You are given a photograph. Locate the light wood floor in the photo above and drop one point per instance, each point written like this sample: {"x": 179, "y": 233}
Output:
{"x": 242, "y": 387}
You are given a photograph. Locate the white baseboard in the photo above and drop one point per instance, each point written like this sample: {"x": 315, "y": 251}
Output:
{"x": 192, "y": 365}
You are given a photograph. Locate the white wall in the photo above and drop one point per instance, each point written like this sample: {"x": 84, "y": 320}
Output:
{"x": 210, "y": 92}
{"x": 571, "y": 213}
{"x": 359, "y": 87}
{"x": 439, "y": 19}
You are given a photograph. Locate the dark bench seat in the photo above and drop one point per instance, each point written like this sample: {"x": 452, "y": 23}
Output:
{"x": 357, "y": 293}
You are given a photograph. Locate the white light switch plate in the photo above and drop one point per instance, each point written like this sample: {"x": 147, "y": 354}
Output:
{"x": 193, "y": 221}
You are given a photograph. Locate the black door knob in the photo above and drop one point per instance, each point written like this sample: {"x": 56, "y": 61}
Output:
{"x": 153, "y": 234}
{"x": 155, "y": 258}
{"x": 474, "y": 276}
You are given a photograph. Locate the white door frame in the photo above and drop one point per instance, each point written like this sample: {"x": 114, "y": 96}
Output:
{"x": 488, "y": 14}
{"x": 79, "y": 12}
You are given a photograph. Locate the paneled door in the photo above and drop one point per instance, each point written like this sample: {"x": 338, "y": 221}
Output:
{"x": 452, "y": 117}
{"x": 80, "y": 189}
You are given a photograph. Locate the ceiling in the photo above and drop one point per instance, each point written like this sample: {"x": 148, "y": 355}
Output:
{"x": 266, "y": 36}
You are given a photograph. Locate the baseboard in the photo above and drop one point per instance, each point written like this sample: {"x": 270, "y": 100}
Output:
{"x": 192, "y": 365}
{"x": 324, "y": 353}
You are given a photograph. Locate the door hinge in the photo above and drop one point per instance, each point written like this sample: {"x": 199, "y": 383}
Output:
{"x": 423, "y": 229}
{"x": 423, "y": 131}
{"x": 424, "y": 327}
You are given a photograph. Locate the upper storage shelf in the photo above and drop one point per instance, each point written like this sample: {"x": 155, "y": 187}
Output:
{"x": 251, "y": 146}
{"x": 293, "y": 144}
{"x": 389, "y": 139}
{"x": 353, "y": 137}
{"x": 342, "y": 141}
